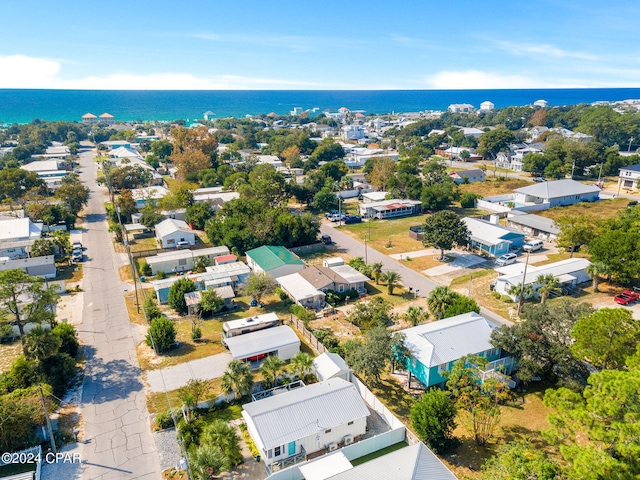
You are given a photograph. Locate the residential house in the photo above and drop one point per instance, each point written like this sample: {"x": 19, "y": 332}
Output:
{"x": 628, "y": 177}
{"x": 436, "y": 346}
{"x": 173, "y": 233}
{"x": 467, "y": 176}
{"x": 353, "y": 132}
{"x": 48, "y": 170}
{"x": 486, "y": 106}
{"x": 214, "y": 196}
{"x": 17, "y": 235}
{"x": 114, "y": 144}
{"x": 570, "y": 273}
{"x": 280, "y": 341}
{"x": 299, "y": 422}
{"x": 461, "y": 108}
{"x": 183, "y": 260}
{"x": 415, "y": 462}
{"x": 541, "y": 103}
{"x": 371, "y": 197}
{"x": 224, "y": 259}
{"x": 272, "y": 160}
{"x": 89, "y": 119}
{"x": 471, "y": 132}
{"x": 107, "y": 119}
{"x": 226, "y": 293}
{"x": 146, "y": 194}
{"x": 557, "y": 193}
{"x": 44, "y": 266}
{"x": 330, "y": 365}
{"x": 491, "y": 237}
{"x": 234, "y": 275}
{"x": 533, "y": 225}
{"x": 455, "y": 153}
{"x": 176, "y": 213}
{"x": 275, "y": 261}
{"x": 390, "y": 208}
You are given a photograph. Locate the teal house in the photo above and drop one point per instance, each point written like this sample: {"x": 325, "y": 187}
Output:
{"x": 491, "y": 237}
{"x": 436, "y": 346}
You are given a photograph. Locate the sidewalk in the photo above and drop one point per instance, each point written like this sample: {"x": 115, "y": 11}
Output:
{"x": 179, "y": 375}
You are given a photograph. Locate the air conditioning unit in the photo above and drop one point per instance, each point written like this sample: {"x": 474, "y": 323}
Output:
{"x": 348, "y": 439}
{"x": 332, "y": 446}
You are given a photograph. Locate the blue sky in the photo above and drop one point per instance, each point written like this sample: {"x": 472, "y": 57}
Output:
{"x": 348, "y": 44}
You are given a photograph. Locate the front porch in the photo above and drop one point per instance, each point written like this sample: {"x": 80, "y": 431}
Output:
{"x": 287, "y": 462}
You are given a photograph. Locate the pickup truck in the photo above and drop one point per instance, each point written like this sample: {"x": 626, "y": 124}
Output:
{"x": 626, "y": 297}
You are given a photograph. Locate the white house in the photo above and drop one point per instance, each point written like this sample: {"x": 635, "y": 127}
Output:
{"x": 461, "y": 108}
{"x": 467, "y": 176}
{"x": 330, "y": 365}
{"x": 171, "y": 232}
{"x": 533, "y": 225}
{"x": 44, "y": 266}
{"x": 47, "y": 170}
{"x": 305, "y": 420}
{"x": 17, "y": 235}
{"x": 390, "y": 208}
{"x": 183, "y": 260}
{"x": 486, "y": 106}
{"x": 143, "y": 195}
{"x": 570, "y": 272}
{"x": 628, "y": 177}
{"x": 558, "y": 192}
{"x": 279, "y": 341}
{"x": 491, "y": 237}
{"x": 353, "y": 132}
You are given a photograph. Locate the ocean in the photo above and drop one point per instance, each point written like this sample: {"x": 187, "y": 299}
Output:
{"x": 22, "y": 106}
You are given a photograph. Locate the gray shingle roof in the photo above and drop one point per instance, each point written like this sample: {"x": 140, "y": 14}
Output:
{"x": 557, "y": 189}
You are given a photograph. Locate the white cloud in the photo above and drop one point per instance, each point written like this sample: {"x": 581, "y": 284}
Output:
{"x": 479, "y": 80}
{"x": 542, "y": 50}
{"x": 20, "y": 71}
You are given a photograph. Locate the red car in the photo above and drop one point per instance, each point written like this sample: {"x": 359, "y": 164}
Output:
{"x": 626, "y": 297}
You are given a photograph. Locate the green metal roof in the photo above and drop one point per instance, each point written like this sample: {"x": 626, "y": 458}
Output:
{"x": 270, "y": 257}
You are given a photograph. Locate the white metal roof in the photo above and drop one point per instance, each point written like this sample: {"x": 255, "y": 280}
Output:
{"x": 557, "y": 189}
{"x": 415, "y": 462}
{"x": 450, "y": 339}
{"x": 155, "y": 192}
{"x": 488, "y": 233}
{"x": 261, "y": 341}
{"x": 180, "y": 254}
{"x": 325, "y": 467}
{"x": 41, "y": 166}
{"x": 212, "y": 273}
{"x": 299, "y": 413}
{"x": 329, "y": 365}
{"x": 298, "y": 287}
{"x": 171, "y": 225}
{"x": 19, "y": 228}
{"x": 350, "y": 274}
{"x": 557, "y": 269}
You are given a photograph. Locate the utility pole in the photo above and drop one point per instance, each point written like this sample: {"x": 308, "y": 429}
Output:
{"x": 46, "y": 416}
{"x": 365, "y": 250}
{"x": 470, "y": 279}
{"x": 524, "y": 276}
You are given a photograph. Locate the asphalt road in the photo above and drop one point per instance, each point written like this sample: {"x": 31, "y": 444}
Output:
{"x": 118, "y": 443}
{"x": 343, "y": 243}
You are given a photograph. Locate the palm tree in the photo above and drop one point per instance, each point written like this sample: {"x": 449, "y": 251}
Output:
{"x": 548, "y": 285}
{"x": 300, "y": 364}
{"x": 595, "y": 270}
{"x": 237, "y": 379}
{"x": 41, "y": 344}
{"x": 224, "y": 436}
{"x": 207, "y": 461}
{"x": 376, "y": 271}
{"x": 392, "y": 279}
{"x": 271, "y": 368}
{"x": 416, "y": 315}
{"x": 516, "y": 291}
{"x": 439, "y": 299}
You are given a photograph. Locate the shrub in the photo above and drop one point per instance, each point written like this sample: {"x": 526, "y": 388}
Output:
{"x": 196, "y": 333}
{"x": 165, "y": 419}
{"x": 68, "y": 340}
{"x": 161, "y": 275}
{"x": 163, "y": 332}
{"x": 303, "y": 314}
{"x": 144, "y": 268}
{"x": 58, "y": 372}
{"x": 176, "y": 294}
{"x": 151, "y": 309}
{"x": 496, "y": 295}
{"x": 468, "y": 199}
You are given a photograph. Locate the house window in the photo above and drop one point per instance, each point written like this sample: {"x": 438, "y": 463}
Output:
{"x": 350, "y": 423}
{"x": 443, "y": 368}
{"x": 340, "y": 288}
{"x": 327, "y": 431}
{"x": 270, "y": 453}
{"x": 277, "y": 451}
{"x": 182, "y": 261}
{"x": 171, "y": 241}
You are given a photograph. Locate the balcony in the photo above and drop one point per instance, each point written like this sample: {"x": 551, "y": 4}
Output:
{"x": 287, "y": 462}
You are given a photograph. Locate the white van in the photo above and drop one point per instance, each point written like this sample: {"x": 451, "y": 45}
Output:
{"x": 533, "y": 245}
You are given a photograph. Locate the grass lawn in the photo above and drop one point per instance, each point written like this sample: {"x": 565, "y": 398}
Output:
{"x": 125, "y": 273}
{"x": 481, "y": 292}
{"x": 158, "y": 402}
{"x": 384, "y": 232}
{"x": 130, "y": 302}
{"x": 523, "y": 420}
{"x": 491, "y": 186}
{"x": 400, "y": 295}
{"x": 69, "y": 273}
{"x": 425, "y": 262}
{"x": 592, "y": 210}
{"x": 395, "y": 398}
{"x": 379, "y": 453}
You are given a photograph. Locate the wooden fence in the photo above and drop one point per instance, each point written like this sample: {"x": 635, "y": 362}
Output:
{"x": 313, "y": 342}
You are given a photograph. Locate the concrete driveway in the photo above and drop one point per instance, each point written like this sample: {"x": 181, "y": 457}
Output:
{"x": 171, "y": 378}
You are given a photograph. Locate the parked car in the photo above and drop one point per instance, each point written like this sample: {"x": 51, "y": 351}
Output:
{"x": 533, "y": 245}
{"x": 76, "y": 246}
{"x": 183, "y": 245}
{"x": 506, "y": 259}
{"x": 632, "y": 203}
{"x": 331, "y": 213}
{"x": 352, "y": 219}
{"x": 326, "y": 239}
{"x": 77, "y": 255}
{"x": 626, "y": 297}
{"x": 539, "y": 179}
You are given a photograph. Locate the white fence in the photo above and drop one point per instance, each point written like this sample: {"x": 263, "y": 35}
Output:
{"x": 376, "y": 404}
{"x": 33, "y": 454}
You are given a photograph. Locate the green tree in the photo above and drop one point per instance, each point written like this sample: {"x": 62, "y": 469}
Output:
{"x": 494, "y": 141}
{"x": 382, "y": 170}
{"x": 376, "y": 271}
{"x": 542, "y": 342}
{"x": 267, "y": 185}
{"x": 575, "y": 231}
{"x": 373, "y": 312}
{"x": 596, "y": 430}
{"x": 150, "y": 309}
{"x": 161, "y": 335}
{"x": 20, "y": 412}
{"x": 300, "y": 364}
{"x": 176, "y": 294}
{"x": 68, "y": 339}
{"x": 210, "y": 302}
{"x": 40, "y": 344}
{"x": 439, "y": 196}
{"x": 127, "y": 205}
{"x": 416, "y": 315}
{"x": 461, "y": 305}
{"x": 270, "y": 369}
{"x": 162, "y": 149}
{"x": 468, "y": 199}
{"x": 595, "y": 269}
{"x": 26, "y": 299}
{"x": 391, "y": 278}
{"x": 606, "y": 338}
{"x": 325, "y": 200}
{"x": 42, "y": 247}
{"x": 16, "y": 183}
{"x": 73, "y": 193}
{"x": 224, "y": 437}
{"x": 237, "y": 379}
{"x": 548, "y": 285}
{"x": 198, "y": 214}
{"x": 193, "y": 393}
{"x": 259, "y": 285}
{"x": 619, "y": 251}
{"x": 433, "y": 418}
{"x": 150, "y": 217}
{"x": 373, "y": 356}
{"x": 520, "y": 461}
{"x": 443, "y": 230}
{"x": 208, "y": 460}
{"x": 439, "y": 299}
